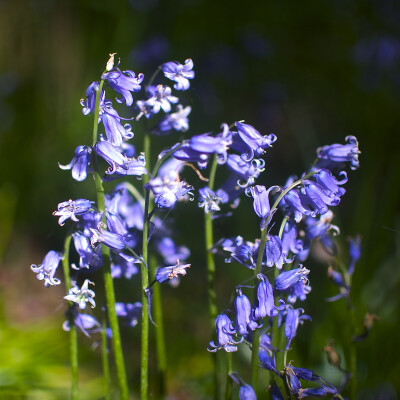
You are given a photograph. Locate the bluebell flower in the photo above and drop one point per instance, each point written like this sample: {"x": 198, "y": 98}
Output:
{"x": 293, "y": 375}
{"x": 329, "y": 183}
{"x": 208, "y": 200}
{"x": 199, "y": 148}
{"x": 254, "y": 140}
{"x": 89, "y": 220}
{"x": 115, "y": 131}
{"x": 355, "y": 252}
{"x": 336, "y": 154}
{"x": 225, "y": 335}
{"x": 243, "y": 314}
{"x": 294, "y": 205}
{"x": 290, "y": 242}
{"x": 124, "y": 82}
{"x": 321, "y": 229}
{"x": 248, "y": 171}
{"x": 274, "y": 254}
{"x": 123, "y": 265}
{"x": 275, "y": 392}
{"x": 267, "y": 360}
{"x": 48, "y": 268}
{"x": 174, "y": 271}
{"x": 111, "y": 154}
{"x": 317, "y": 198}
{"x": 246, "y": 392}
{"x": 180, "y": 73}
{"x": 85, "y": 322}
{"x": 260, "y": 199}
{"x": 79, "y": 163}
{"x": 338, "y": 279}
{"x": 170, "y": 252}
{"x": 87, "y": 256}
{"x": 243, "y": 252}
{"x": 177, "y": 121}
{"x": 286, "y": 279}
{"x": 292, "y": 321}
{"x": 295, "y": 282}
{"x": 229, "y": 192}
{"x": 160, "y": 99}
{"x": 170, "y": 197}
{"x": 131, "y": 312}
{"x": 112, "y": 240}
{"x": 72, "y": 208}
{"x": 265, "y": 299}
{"x": 82, "y": 295}
{"x": 90, "y": 103}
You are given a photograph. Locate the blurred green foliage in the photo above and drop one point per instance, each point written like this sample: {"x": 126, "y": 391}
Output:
{"x": 312, "y": 72}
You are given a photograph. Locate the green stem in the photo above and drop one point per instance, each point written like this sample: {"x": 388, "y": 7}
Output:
{"x": 257, "y": 270}
{"x": 144, "y": 365}
{"x": 73, "y": 337}
{"x": 229, "y": 383}
{"x": 212, "y": 297}
{"x": 108, "y": 282}
{"x": 160, "y": 339}
{"x": 104, "y": 360}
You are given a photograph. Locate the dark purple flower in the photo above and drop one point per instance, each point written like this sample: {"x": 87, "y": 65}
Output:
{"x": 265, "y": 299}
{"x": 90, "y": 103}
{"x": 112, "y": 240}
{"x": 293, "y": 319}
{"x": 243, "y": 314}
{"x": 131, "y": 312}
{"x": 174, "y": 271}
{"x": 208, "y": 200}
{"x": 286, "y": 279}
{"x": 124, "y": 82}
{"x": 79, "y": 163}
{"x": 87, "y": 256}
{"x": 123, "y": 265}
{"x": 170, "y": 252}
{"x": 336, "y": 154}
{"x": 273, "y": 253}
{"x": 254, "y": 140}
{"x": 180, "y": 73}
{"x": 267, "y": 361}
{"x": 329, "y": 183}
{"x": 355, "y": 252}
{"x": 115, "y": 131}
{"x": 246, "y": 392}
{"x": 48, "y": 268}
{"x": 85, "y": 322}
{"x": 177, "y": 121}
{"x": 261, "y": 199}
{"x": 72, "y": 208}
{"x": 248, "y": 171}
{"x": 225, "y": 335}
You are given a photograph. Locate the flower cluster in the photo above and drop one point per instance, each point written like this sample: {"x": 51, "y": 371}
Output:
{"x": 118, "y": 224}
{"x": 305, "y": 205}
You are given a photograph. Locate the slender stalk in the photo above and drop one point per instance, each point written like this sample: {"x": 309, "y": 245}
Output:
{"x": 104, "y": 360}
{"x": 229, "y": 383}
{"x": 73, "y": 337}
{"x": 160, "y": 339}
{"x": 256, "y": 334}
{"x": 108, "y": 282}
{"x": 212, "y": 297}
{"x": 257, "y": 270}
{"x": 144, "y": 365}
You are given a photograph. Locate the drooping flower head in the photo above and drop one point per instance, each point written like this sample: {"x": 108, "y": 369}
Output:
{"x": 79, "y": 163}
{"x": 174, "y": 271}
{"x": 47, "y": 269}
{"x": 72, "y": 208}
{"x": 124, "y": 82}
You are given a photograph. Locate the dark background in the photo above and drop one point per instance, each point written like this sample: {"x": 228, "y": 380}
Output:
{"x": 312, "y": 72}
